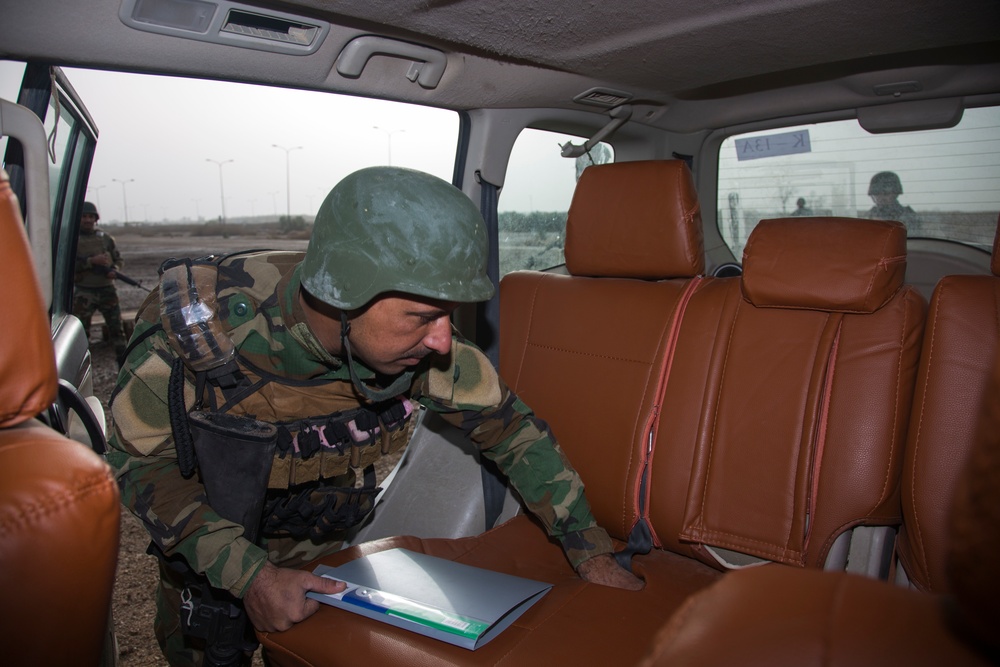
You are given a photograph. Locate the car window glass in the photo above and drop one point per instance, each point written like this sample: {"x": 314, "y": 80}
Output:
{"x": 176, "y": 151}
{"x": 10, "y": 82}
{"x": 536, "y": 196}
{"x": 942, "y": 184}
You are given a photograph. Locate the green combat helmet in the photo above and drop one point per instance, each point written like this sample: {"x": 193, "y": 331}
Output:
{"x": 885, "y": 183}
{"x": 88, "y": 207}
{"x": 389, "y": 229}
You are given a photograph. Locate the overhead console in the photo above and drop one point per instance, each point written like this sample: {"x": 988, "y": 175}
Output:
{"x": 225, "y": 22}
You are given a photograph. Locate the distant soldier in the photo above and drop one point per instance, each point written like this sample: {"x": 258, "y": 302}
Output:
{"x": 97, "y": 261}
{"x": 884, "y": 189}
{"x": 801, "y": 210}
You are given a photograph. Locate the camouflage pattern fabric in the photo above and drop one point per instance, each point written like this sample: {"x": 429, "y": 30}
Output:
{"x": 257, "y": 302}
{"x": 94, "y": 290}
{"x": 87, "y": 300}
{"x": 95, "y": 243}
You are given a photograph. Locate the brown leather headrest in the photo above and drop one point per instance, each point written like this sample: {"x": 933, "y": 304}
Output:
{"x": 832, "y": 264}
{"x": 27, "y": 361}
{"x": 635, "y": 220}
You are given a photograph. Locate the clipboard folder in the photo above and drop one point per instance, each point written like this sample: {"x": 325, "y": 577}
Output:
{"x": 456, "y": 603}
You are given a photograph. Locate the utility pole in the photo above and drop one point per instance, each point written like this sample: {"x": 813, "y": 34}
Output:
{"x": 288, "y": 178}
{"x": 97, "y": 189}
{"x": 124, "y": 198}
{"x": 222, "y": 191}
{"x": 388, "y": 134}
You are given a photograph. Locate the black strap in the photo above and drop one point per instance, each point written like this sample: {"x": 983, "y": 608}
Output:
{"x": 402, "y": 382}
{"x": 640, "y": 538}
{"x": 183, "y": 442}
{"x": 640, "y": 541}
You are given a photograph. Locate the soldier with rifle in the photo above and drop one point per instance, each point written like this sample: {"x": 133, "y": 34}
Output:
{"x": 97, "y": 264}
{"x": 260, "y": 388}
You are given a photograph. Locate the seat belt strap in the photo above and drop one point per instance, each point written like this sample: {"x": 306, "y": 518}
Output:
{"x": 642, "y": 537}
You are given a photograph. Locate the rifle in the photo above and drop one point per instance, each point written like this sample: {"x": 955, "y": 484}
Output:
{"x": 105, "y": 270}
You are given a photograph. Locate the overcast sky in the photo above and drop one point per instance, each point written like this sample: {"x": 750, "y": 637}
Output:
{"x": 166, "y": 137}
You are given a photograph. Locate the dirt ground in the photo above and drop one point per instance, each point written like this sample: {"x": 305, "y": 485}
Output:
{"x": 133, "y": 604}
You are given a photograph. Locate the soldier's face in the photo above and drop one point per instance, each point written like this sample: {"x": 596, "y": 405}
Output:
{"x": 883, "y": 199}
{"x": 88, "y": 222}
{"x": 396, "y": 332}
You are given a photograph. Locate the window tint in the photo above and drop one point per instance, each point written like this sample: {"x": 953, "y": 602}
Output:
{"x": 536, "y": 197}
{"x": 942, "y": 184}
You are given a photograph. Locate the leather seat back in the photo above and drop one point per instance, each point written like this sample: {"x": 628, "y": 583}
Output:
{"x": 59, "y": 509}
{"x": 786, "y": 408}
{"x": 585, "y": 350}
{"x": 962, "y": 338}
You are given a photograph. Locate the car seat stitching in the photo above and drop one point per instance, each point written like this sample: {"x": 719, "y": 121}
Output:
{"x": 715, "y": 416}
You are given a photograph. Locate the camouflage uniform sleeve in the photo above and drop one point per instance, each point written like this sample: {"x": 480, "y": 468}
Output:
{"x": 116, "y": 257}
{"x": 471, "y": 396}
{"x": 174, "y": 510}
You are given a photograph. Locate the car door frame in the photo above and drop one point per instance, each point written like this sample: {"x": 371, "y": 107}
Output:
{"x": 49, "y": 166}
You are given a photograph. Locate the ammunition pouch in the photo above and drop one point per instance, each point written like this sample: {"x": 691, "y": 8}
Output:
{"x": 333, "y": 444}
{"x": 315, "y": 513}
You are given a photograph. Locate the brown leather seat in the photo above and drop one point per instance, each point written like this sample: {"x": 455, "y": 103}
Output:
{"x": 962, "y": 338}
{"x": 951, "y": 526}
{"x": 779, "y": 402}
{"x": 779, "y": 616}
{"x": 59, "y": 507}
{"x": 784, "y": 419}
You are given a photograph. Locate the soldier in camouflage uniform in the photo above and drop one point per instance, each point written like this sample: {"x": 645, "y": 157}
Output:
{"x": 97, "y": 260}
{"x": 884, "y": 189}
{"x": 336, "y": 348}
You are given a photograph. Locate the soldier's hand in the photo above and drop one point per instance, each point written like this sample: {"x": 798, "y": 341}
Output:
{"x": 277, "y": 598}
{"x": 103, "y": 259}
{"x": 606, "y": 571}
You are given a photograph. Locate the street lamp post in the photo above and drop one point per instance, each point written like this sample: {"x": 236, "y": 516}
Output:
{"x": 288, "y": 179}
{"x": 124, "y": 198}
{"x": 388, "y": 134}
{"x": 97, "y": 189}
{"x": 222, "y": 190}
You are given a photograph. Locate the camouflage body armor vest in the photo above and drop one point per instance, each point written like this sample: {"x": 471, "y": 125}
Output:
{"x": 325, "y": 434}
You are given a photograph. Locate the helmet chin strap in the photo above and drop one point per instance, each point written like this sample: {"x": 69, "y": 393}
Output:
{"x": 399, "y": 385}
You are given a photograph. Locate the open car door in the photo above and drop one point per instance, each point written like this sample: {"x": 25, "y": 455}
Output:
{"x": 50, "y": 141}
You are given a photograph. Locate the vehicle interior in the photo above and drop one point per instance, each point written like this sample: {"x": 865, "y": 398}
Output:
{"x": 784, "y": 402}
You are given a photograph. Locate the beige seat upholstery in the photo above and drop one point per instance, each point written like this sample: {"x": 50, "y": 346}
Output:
{"x": 59, "y": 507}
